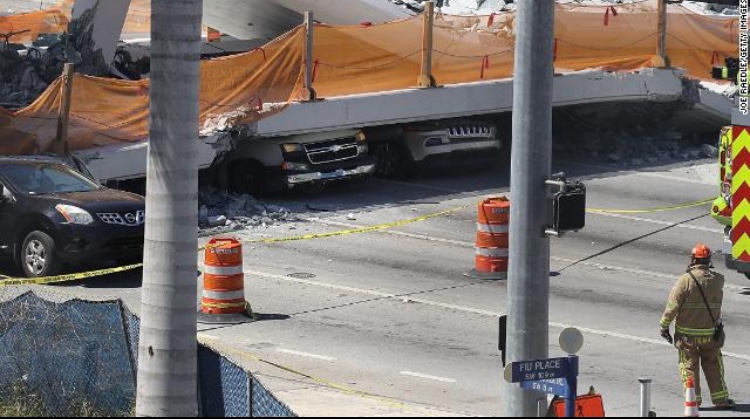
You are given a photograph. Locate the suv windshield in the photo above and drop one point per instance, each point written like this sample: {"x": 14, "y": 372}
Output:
{"x": 42, "y": 179}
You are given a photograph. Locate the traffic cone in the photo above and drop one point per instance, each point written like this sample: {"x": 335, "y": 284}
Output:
{"x": 491, "y": 260}
{"x": 223, "y": 299}
{"x": 691, "y": 404}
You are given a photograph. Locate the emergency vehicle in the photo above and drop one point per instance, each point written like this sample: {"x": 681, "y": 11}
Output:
{"x": 732, "y": 207}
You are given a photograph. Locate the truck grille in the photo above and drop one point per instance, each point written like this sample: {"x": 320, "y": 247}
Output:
{"x": 469, "y": 131}
{"x": 331, "y": 151}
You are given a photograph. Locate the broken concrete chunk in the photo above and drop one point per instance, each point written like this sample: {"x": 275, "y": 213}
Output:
{"x": 217, "y": 221}
{"x": 710, "y": 151}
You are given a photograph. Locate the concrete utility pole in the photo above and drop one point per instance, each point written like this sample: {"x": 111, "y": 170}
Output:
{"x": 531, "y": 165}
{"x": 168, "y": 348}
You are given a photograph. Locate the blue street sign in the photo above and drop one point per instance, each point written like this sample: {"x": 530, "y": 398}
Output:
{"x": 539, "y": 369}
{"x": 558, "y": 386}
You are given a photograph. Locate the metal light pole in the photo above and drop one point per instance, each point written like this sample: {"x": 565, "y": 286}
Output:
{"x": 531, "y": 161}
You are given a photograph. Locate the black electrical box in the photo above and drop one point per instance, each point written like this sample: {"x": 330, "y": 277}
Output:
{"x": 718, "y": 73}
{"x": 733, "y": 65}
{"x": 566, "y": 209}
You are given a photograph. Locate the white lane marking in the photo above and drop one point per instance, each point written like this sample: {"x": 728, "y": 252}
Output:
{"x": 306, "y": 355}
{"x": 399, "y": 233}
{"x": 428, "y": 377}
{"x": 466, "y": 244}
{"x": 677, "y": 178}
{"x": 468, "y": 309}
{"x": 660, "y": 222}
{"x": 207, "y": 336}
{"x": 640, "y": 272}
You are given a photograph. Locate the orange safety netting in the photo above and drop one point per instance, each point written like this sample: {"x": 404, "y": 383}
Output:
{"x": 363, "y": 59}
{"x": 54, "y": 21}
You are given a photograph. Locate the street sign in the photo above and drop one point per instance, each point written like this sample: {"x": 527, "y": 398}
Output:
{"x": 558, "y": 386}
{"x": 539, "y": 369}
{"x": 557, "y": 376}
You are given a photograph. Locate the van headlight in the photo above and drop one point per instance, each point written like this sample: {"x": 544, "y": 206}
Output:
{"x": 74, "y": 215}
{"x": 291, "y": 148}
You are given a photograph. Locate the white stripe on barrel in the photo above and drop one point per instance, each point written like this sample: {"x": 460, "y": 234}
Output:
{"x": 224, "y": 295}
{"x": 492, "y": 252}
{"x": 492, "y": 228}
{"x": 223, "y": 270}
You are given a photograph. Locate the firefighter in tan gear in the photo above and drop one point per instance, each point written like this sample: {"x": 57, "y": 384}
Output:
{"x": 695, "y": 307}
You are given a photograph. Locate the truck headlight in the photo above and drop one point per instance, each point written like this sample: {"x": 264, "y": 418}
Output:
{"x": 291, "y": 148}
{"x": 75, "y": 215}
{"x": 362, "y": 148}
{"x": 296, "y": 167}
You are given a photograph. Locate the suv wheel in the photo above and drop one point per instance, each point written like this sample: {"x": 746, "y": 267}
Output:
{"x": 38, "y": 255}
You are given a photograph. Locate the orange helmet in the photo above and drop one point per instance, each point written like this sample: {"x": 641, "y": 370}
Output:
{"x": 701, "y": 251}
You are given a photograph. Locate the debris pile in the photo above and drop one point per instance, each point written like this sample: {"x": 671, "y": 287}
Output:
{"x": 220, "y": 212}
{"x": 634, "y": 148}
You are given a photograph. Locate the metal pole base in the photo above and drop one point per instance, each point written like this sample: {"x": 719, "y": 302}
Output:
{"x": 493, "y": 276}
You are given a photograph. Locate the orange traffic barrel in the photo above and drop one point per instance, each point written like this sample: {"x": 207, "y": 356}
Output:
{"x": 493, "y": 224}
{"x": 223, "y": 297}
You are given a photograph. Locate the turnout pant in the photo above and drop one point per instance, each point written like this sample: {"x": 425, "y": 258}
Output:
{"x": 697, "y": 351}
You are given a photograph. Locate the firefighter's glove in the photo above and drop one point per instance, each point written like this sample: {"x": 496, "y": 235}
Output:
{"x": 667, "y": 336}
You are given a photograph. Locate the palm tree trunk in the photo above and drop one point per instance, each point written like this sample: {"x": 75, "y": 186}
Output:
{"x": 167, "y": 361}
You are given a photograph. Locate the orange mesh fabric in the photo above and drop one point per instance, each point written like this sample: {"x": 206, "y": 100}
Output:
{"x": 44, "y": 21}
{"x": 106, "y": 111}
{"x": 363, "y": 59}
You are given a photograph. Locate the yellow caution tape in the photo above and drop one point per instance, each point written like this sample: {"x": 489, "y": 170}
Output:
{"x": 357, "y": 230}
{"x": 8, "y": 281}
{"x": 657, "y": 209}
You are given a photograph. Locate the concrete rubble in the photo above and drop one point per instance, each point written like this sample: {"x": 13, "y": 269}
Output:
{"x": 634, "y": 148}
{"x": 222, "y": 213}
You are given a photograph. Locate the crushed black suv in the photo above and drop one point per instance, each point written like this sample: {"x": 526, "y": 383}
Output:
{"x": 51, "y": 214}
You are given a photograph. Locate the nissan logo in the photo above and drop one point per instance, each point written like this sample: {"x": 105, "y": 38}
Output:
{"x": 135, "y": 219}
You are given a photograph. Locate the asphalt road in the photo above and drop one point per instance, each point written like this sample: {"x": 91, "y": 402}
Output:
{"x": 390, "y": 317}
